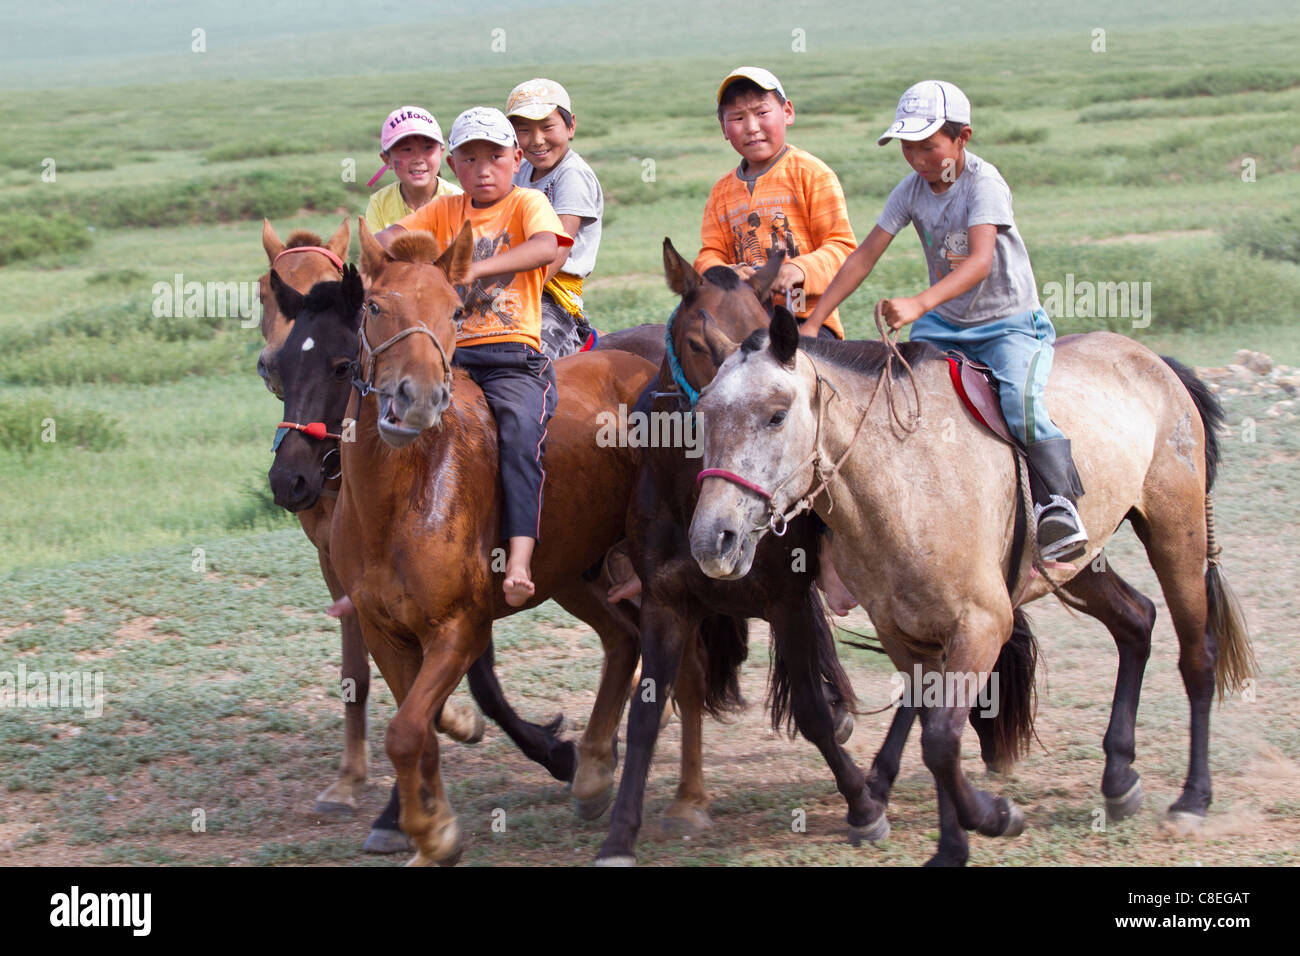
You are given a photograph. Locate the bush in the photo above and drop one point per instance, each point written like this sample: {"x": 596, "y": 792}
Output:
{"x": 1274, "y": 237}
{"x": 24, "y": 425}
{"x": 28, "y": 235}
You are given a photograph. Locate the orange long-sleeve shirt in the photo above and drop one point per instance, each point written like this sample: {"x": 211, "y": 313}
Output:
{"x": 797, "y": 205}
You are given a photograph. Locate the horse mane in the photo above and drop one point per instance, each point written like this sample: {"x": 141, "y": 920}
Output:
{"x": 303, "y": 237}
{"x": 323, "y": 297}
{"x": 724, "y": 278}
{"x": 866, "y": 357}
{"x": 418, "y": 247}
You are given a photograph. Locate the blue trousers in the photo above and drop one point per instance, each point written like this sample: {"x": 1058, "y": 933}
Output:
{"x": 1018, "y": 349}
{"x": 519, "y": 384}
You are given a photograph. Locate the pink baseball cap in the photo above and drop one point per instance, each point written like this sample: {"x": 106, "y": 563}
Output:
{"x": 403, "y": 122}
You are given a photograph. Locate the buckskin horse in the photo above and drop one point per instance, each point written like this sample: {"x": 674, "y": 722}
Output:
{"x": 925, "y": 527}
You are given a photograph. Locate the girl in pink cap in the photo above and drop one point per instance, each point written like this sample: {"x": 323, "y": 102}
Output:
{"x": 411, "y": 145}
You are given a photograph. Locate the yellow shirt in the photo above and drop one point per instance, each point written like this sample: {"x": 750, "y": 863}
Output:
{"x": 387, "y": 205}
{"x": 798, "y": 206}
{"x": 505, "y": 309}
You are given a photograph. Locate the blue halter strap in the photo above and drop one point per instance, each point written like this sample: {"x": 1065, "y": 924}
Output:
{"x": 675, "y": 366}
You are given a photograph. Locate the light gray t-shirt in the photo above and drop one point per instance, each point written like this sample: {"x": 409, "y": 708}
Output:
{"x": 979, "y": 196}
{"x": 573, "y": 190}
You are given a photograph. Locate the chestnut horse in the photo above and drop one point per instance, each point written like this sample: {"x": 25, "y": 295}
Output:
{"x": 925, "y": 526}
{"x": 418, "y": 515}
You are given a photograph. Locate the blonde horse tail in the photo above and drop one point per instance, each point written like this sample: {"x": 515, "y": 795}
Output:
{"x": 1226, "y": 621}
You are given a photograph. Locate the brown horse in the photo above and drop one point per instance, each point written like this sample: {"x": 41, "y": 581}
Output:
{"x": 417, "y": 520}
{"x": 924, "y": 525}
{"x": 300, "y": 263}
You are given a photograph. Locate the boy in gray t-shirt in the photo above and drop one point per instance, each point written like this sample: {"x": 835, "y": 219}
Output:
{"x": 982, "y": 299}
{"x": 544, "y": 124}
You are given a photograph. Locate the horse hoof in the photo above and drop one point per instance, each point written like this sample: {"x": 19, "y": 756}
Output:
{"x": 1015, "y": 819}
{"x": 843, "y": 728}
{"x": 591, "y": 808}
{"x": 1184, "y": 822}
{"x": 478, "y": 730}
{"x": 454, "y": 857}
{"x": 615, "y": 861}
{"x": 685, "y": 822}
{"x": 329, "y": 811}
{"x": 1121, "y": 808}
{"x": 876, "y": 831}
{"x": 386, "y": 841}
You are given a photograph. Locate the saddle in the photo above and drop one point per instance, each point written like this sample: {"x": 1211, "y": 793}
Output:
{"x": 978, "y": 391}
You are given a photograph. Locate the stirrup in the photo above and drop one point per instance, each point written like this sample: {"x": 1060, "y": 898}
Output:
{"x": 1069, "y": 546}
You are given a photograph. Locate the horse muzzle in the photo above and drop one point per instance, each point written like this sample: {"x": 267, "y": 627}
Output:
{"x": 720, "y": 549}
{"x": 403, "y": 414}
{"x": 294, "y": 489}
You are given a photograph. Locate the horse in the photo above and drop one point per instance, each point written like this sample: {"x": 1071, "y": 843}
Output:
{"x": 924, "y": 509}
{"x": 417, "y": 517}
{"x": 300, "y": 263}
{"x": 694, "y": 629}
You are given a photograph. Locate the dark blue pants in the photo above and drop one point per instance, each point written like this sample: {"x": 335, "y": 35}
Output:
{"x": 519, "y": 384}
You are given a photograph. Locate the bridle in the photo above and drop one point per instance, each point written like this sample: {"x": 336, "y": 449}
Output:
{"x": 320, "y": 432}
{"x": 365, "y": 383}
{"x": 778, "y": 521}
{"x": 327, "y": 253}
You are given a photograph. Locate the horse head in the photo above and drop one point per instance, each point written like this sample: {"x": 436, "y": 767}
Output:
{"x": 717, "y": 312}
{"x": 314, "y": 366}
{"x": 301, "y": 262}
{"x": 759, "y": 423}
{"x": 408, "y": 332}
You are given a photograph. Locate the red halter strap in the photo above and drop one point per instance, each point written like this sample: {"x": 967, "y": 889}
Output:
{"x": 734, "y": 479}
{"x": 327, "y": 253}
{"x": 311, "y": 430}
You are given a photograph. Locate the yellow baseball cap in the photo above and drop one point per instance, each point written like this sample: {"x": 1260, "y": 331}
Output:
{"x": 764, "y": 78}
{"x": 537, "y": 99}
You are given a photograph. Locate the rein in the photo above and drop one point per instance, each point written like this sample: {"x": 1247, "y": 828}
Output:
{"x": 327, "y": 253}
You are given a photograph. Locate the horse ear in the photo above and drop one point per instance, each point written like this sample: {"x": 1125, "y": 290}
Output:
{"x": 342, "y": 238}
{"x": 373, "y": 256}
{"x": 682, "y": 277}
{"x": 287, "y": 297}
{"x": 784, "y": 337}
{"x": 354, "y": 293}
{"x": 270, "y": 241}
{"x": 457, "y": 257}
{"x": 761, "y": 281}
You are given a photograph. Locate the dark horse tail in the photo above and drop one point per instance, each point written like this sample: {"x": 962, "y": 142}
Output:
{"x": 1226, "y": 621}
{"x": 726, "y": 645}
{"x": 1005, "y": 735}
{"x": 828, "y": 671}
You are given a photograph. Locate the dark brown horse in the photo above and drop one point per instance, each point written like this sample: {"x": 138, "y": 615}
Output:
{"x": 418, "y": 516}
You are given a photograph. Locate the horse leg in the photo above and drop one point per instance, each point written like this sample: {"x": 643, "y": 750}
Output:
{"x": 426, "y": 815}
{"x": 797, "y": 625}
{"x": 593, "y": 780}
{"x": 1130, "y": 617}
{"x": 1177, "y": 554}
{"x": 689, "y": 811}
{"x": 662, "y": 630}
{"x": 884, "y": 769}
{"x": 338, "y": 801}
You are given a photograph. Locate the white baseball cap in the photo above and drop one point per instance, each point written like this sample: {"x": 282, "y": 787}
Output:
{"x": 765, "y": 79}
{"x": 481, "y": 122}
{"x": 537, "y": 99}
{"x": 924, "y": 108}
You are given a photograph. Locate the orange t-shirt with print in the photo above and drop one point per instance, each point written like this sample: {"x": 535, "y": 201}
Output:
{"x": 798, "y": 206}
{"x": 499, "y": 308}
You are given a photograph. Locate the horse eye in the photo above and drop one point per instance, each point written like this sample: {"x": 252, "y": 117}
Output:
{"x": 696, "y": 347}
{"x": 374, "y": 309}
{"x": 777, "y": 419}
{"x": 341, "y": 371}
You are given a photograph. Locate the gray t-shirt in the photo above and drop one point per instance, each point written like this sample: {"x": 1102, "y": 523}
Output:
{"x": 573, "y": 190}
{"x": 979, "y": 196}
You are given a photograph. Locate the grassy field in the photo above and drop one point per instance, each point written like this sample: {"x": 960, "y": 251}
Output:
{"x": 1168, "y": 158}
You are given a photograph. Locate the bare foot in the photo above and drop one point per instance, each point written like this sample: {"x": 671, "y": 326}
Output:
{"x": 518, "y": 586}
{"x": 343, "y": 607}
{"x": 624, "y": 590}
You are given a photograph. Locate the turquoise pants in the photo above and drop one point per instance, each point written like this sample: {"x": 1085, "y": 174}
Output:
{"x": 1018, "y": 349}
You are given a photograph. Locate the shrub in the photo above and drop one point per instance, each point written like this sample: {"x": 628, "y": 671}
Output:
{"x": 26, "y": 235}
{"x": 1273, "y": 237}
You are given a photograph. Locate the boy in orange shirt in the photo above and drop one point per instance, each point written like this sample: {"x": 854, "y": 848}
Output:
{"x": 498, "y": 332}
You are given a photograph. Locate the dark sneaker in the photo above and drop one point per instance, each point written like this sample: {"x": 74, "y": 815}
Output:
{"x": 1061, "y": 536}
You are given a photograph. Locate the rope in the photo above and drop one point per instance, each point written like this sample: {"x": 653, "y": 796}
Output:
{"x": 674, "y": 366}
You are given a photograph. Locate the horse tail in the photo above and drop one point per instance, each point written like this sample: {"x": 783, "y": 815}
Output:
{"x": 725, "y": 642}
{"x": 1226, "y": 621}
{"x": 1015, "y": 696}
{"x": 834, "y": 680}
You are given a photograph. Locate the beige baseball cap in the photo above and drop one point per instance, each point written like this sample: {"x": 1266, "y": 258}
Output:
{"x": 764, "y": 78}
{"x": 537, "y": 99}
